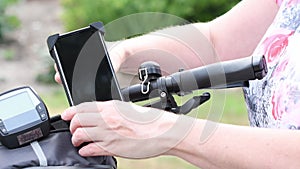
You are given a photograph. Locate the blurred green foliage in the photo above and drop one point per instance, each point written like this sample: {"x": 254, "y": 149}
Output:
{"x": 48, "y": 77}
{"x": 7, "y": 22}
{"x": 80, "y": 13}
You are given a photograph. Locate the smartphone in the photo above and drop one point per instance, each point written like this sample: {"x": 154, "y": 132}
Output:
{"x": 84, "y": 65}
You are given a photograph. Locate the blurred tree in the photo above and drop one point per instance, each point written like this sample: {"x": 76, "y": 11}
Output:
{"x": 79, "y": 13}
{"x": 7, "y": 22}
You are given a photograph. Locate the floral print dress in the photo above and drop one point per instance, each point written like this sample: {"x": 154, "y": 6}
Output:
{"x": 274, "y": 102}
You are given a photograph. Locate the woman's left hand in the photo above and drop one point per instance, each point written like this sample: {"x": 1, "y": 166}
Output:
{"x": 122, "y": 129}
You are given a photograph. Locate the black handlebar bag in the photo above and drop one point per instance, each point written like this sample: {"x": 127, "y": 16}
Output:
{"x": 54, "y": 152}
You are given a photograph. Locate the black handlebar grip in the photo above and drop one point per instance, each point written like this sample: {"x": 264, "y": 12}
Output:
{"x": 218, "y": 75}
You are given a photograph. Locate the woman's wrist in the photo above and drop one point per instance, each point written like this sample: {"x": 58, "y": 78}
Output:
{"x": 187, "y": 137}
{"x": 118, "y": 53}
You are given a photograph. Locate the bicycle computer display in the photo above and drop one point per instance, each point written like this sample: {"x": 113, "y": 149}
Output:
{"x": 23, "y": 117}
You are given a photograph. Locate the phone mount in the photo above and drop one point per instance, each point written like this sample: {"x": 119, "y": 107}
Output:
{"x": 235, "y": 73}
{"x": 51, "y": 40}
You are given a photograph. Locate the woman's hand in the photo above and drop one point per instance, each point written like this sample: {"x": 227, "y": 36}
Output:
{"x": 123, "y": 129}
{"x": 57, "y": 76}
{"x": 117, "y": 53}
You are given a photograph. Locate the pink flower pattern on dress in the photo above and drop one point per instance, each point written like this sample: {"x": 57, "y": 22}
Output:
{"x": 281, "y": 66}
{"x": 275, "y": 45}
{"x": 274, "y": 101}
{"x": 279, "y": 97}
{"x": 278, "y": 2}
{"x": 291, "y": 2}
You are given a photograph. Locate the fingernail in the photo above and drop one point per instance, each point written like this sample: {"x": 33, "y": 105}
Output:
{"x": 64, "y": 115}
{"x": 83, "y": 152}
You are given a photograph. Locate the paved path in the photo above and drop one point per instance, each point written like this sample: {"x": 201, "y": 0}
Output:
{"x": 39, "y": 19}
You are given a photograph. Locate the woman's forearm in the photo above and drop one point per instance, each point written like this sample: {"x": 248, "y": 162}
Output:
{"x": 230, "y": 146}
{"x": 173, "y": 48}
{"x": 198, "y": 44}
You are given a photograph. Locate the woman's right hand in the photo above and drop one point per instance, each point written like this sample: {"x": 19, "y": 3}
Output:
{"x": 117, "y": 53}
{"x": 57, "y": 76}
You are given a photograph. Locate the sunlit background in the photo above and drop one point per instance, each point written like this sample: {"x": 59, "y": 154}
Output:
{"x": 24, "y": 58}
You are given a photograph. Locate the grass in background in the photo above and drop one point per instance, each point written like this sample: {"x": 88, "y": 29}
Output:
{"x": 166, "y": 162}
{"x": 55, "y": 100}
{"x": 225, "y": 106}
{"x": 230, "y": 101}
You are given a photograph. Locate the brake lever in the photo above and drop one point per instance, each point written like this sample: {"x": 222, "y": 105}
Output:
{"x": 192, "y": 103}
{"x": 170, "y": 105}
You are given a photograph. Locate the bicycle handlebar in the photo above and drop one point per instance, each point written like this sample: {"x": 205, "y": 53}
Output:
{"x": 227, "y": 74}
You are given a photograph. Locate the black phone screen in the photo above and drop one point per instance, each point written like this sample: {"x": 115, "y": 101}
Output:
{"x": 85, "y": 67}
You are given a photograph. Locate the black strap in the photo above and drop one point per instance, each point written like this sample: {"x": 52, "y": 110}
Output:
{"x": 57, "y": 124}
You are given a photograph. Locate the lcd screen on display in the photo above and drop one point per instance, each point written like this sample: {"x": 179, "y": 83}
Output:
{"x": 8, "y": 107}
{"x": 17, "y": 110}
